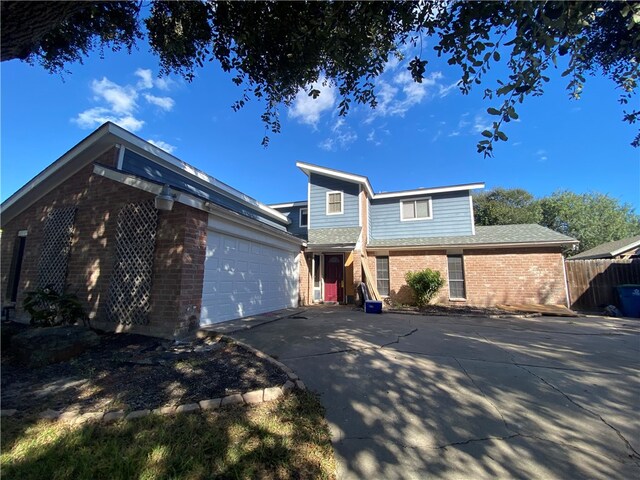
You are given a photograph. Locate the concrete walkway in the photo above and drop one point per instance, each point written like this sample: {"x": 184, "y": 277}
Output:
{"x": 468, "y": 397}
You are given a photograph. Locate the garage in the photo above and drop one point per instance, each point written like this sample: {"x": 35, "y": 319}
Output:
{"x": 247, "y": 272}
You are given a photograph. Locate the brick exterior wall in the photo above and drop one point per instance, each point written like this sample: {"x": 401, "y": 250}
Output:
{"x": 526, "y": 275}
{"x": 305, "y": 294}
{"x": 515, "y": 276}
{"x": 178, "y": 260}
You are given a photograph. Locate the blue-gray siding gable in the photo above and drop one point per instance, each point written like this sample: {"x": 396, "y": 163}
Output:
{"x": 319, "y": 186}
{"x": 143, "y": 167}
{"x": 451, "y": 216}
{"x": 293, "y": 214}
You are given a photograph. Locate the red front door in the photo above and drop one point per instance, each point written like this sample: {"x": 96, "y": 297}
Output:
{"x": 333, "y": 283}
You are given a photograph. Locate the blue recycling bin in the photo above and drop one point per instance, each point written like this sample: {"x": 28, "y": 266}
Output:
{"x": 629, "y": 300}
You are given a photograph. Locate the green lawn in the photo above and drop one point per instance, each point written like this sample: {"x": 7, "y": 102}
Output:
{"x": 288, "y": 438}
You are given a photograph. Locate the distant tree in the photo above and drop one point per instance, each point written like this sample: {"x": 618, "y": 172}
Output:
{"x": 502, "y": 206}
{"x": 592, "y": 218}
{"x": 275, "y": 49}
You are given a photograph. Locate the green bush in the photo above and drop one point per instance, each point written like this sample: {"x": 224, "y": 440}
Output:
{"x": 425, "y": 284}
{"x": 49, "y": 308}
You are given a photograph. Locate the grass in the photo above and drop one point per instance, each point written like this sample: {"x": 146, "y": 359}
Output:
{"x": 284, "y": 439}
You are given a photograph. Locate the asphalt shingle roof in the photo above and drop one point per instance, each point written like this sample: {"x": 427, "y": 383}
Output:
{"x": 496, "y": 234}
{"x": 331, "y": 236}
{"x": 607, "y": 250}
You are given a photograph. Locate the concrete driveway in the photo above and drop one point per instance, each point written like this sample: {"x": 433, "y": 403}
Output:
{"x": 469, "y": 397}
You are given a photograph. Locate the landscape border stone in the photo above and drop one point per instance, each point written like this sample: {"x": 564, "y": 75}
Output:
{"x": 254, "y": 397}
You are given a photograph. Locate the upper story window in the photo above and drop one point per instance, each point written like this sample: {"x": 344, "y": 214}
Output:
{"x": 304, "y": 217}
{"x": 415, "y": 209}
{"x": 335, "y": 203}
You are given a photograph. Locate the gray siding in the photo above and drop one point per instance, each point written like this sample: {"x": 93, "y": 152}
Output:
{"x": 319, "y": 186}
{"x": 143, "y": 167}
{"x": 451, "y": 216}
{"x": 293, "y": 214}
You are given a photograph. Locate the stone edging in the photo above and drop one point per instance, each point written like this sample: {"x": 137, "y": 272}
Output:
{"x": 254, "y": 397}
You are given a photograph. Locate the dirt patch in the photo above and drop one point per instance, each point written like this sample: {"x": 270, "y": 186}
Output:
{"x": 134, "y": 372}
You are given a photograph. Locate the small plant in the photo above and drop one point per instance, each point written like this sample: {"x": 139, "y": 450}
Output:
{"x": 425, "y": 284}
{"x": 49, "y": 308}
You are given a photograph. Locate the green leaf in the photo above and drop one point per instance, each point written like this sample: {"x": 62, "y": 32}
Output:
{"x": 496, "y": 56}
{"x": 493, "y": 111}
{"x": 487, "y": 134}
{"x": 502, "y": 136}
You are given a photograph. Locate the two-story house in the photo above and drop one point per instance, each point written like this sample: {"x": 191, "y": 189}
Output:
{"x": 151, "y": 244}
{"x": 347, "y": 224}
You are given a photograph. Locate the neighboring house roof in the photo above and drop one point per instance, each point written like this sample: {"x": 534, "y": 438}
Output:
{"x": 309, "y": 168}
{"x": 99, "y": 141}
{"x": 609, "y": 249}
{"x": 334, "y": 236}
{"x": 496, "y": 235}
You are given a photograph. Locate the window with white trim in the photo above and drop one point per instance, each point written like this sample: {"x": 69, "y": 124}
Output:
{"x": 334, "y": 203}
{"x": 415, "y": 209}
{"x": 456, "y": 277}
{"x": 304, "y": 217}
{"x": 382, "y": 275}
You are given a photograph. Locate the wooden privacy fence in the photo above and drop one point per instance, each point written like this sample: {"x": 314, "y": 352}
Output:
{"x": 592, "y": 283}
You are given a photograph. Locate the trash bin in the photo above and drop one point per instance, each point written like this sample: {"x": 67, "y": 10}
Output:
{"x": 373, "y": 306}
{"x": 629, "y": 300}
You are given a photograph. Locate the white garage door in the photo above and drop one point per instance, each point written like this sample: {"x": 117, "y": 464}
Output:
{"x": 244, "y": 276}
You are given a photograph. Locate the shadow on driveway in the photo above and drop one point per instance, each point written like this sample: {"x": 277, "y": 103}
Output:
{"x": 469, "y": 397}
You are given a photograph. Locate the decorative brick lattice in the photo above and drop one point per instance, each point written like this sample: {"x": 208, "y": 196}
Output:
{"x": 56, "y": 244}
{"x": 130, "y": 286}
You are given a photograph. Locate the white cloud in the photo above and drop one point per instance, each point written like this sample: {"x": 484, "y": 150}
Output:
{"x": 164, "y": 83}
{"x": 542, "y": 155}
{"x": 445, "y": 90}
{"x": 343, "y": 136}
{"x": 167, "y": 147}
{"x": 327, "y": 144}
{"x": 96, "y": 116}
{"x": 146, "y": 78}
{"x": 148, "y": 81}
{"x": 120, "y": 99}
{"x": 119, "y": 103}
{"x": 401, "y": 93}
{"x": 307, "y": 109}
{"x": 165, "y": 103}
{"x": 481, "y": 123}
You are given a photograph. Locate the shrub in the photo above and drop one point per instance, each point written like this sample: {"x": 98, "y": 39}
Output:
{"x": 49, "y": 308}
{"x": 425, "y": 284}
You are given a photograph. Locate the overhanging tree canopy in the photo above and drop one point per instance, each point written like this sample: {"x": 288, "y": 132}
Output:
{"x": 275, "y": 49}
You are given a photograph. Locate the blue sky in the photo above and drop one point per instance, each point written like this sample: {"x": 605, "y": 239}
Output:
{"x": 420, "y": 135}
